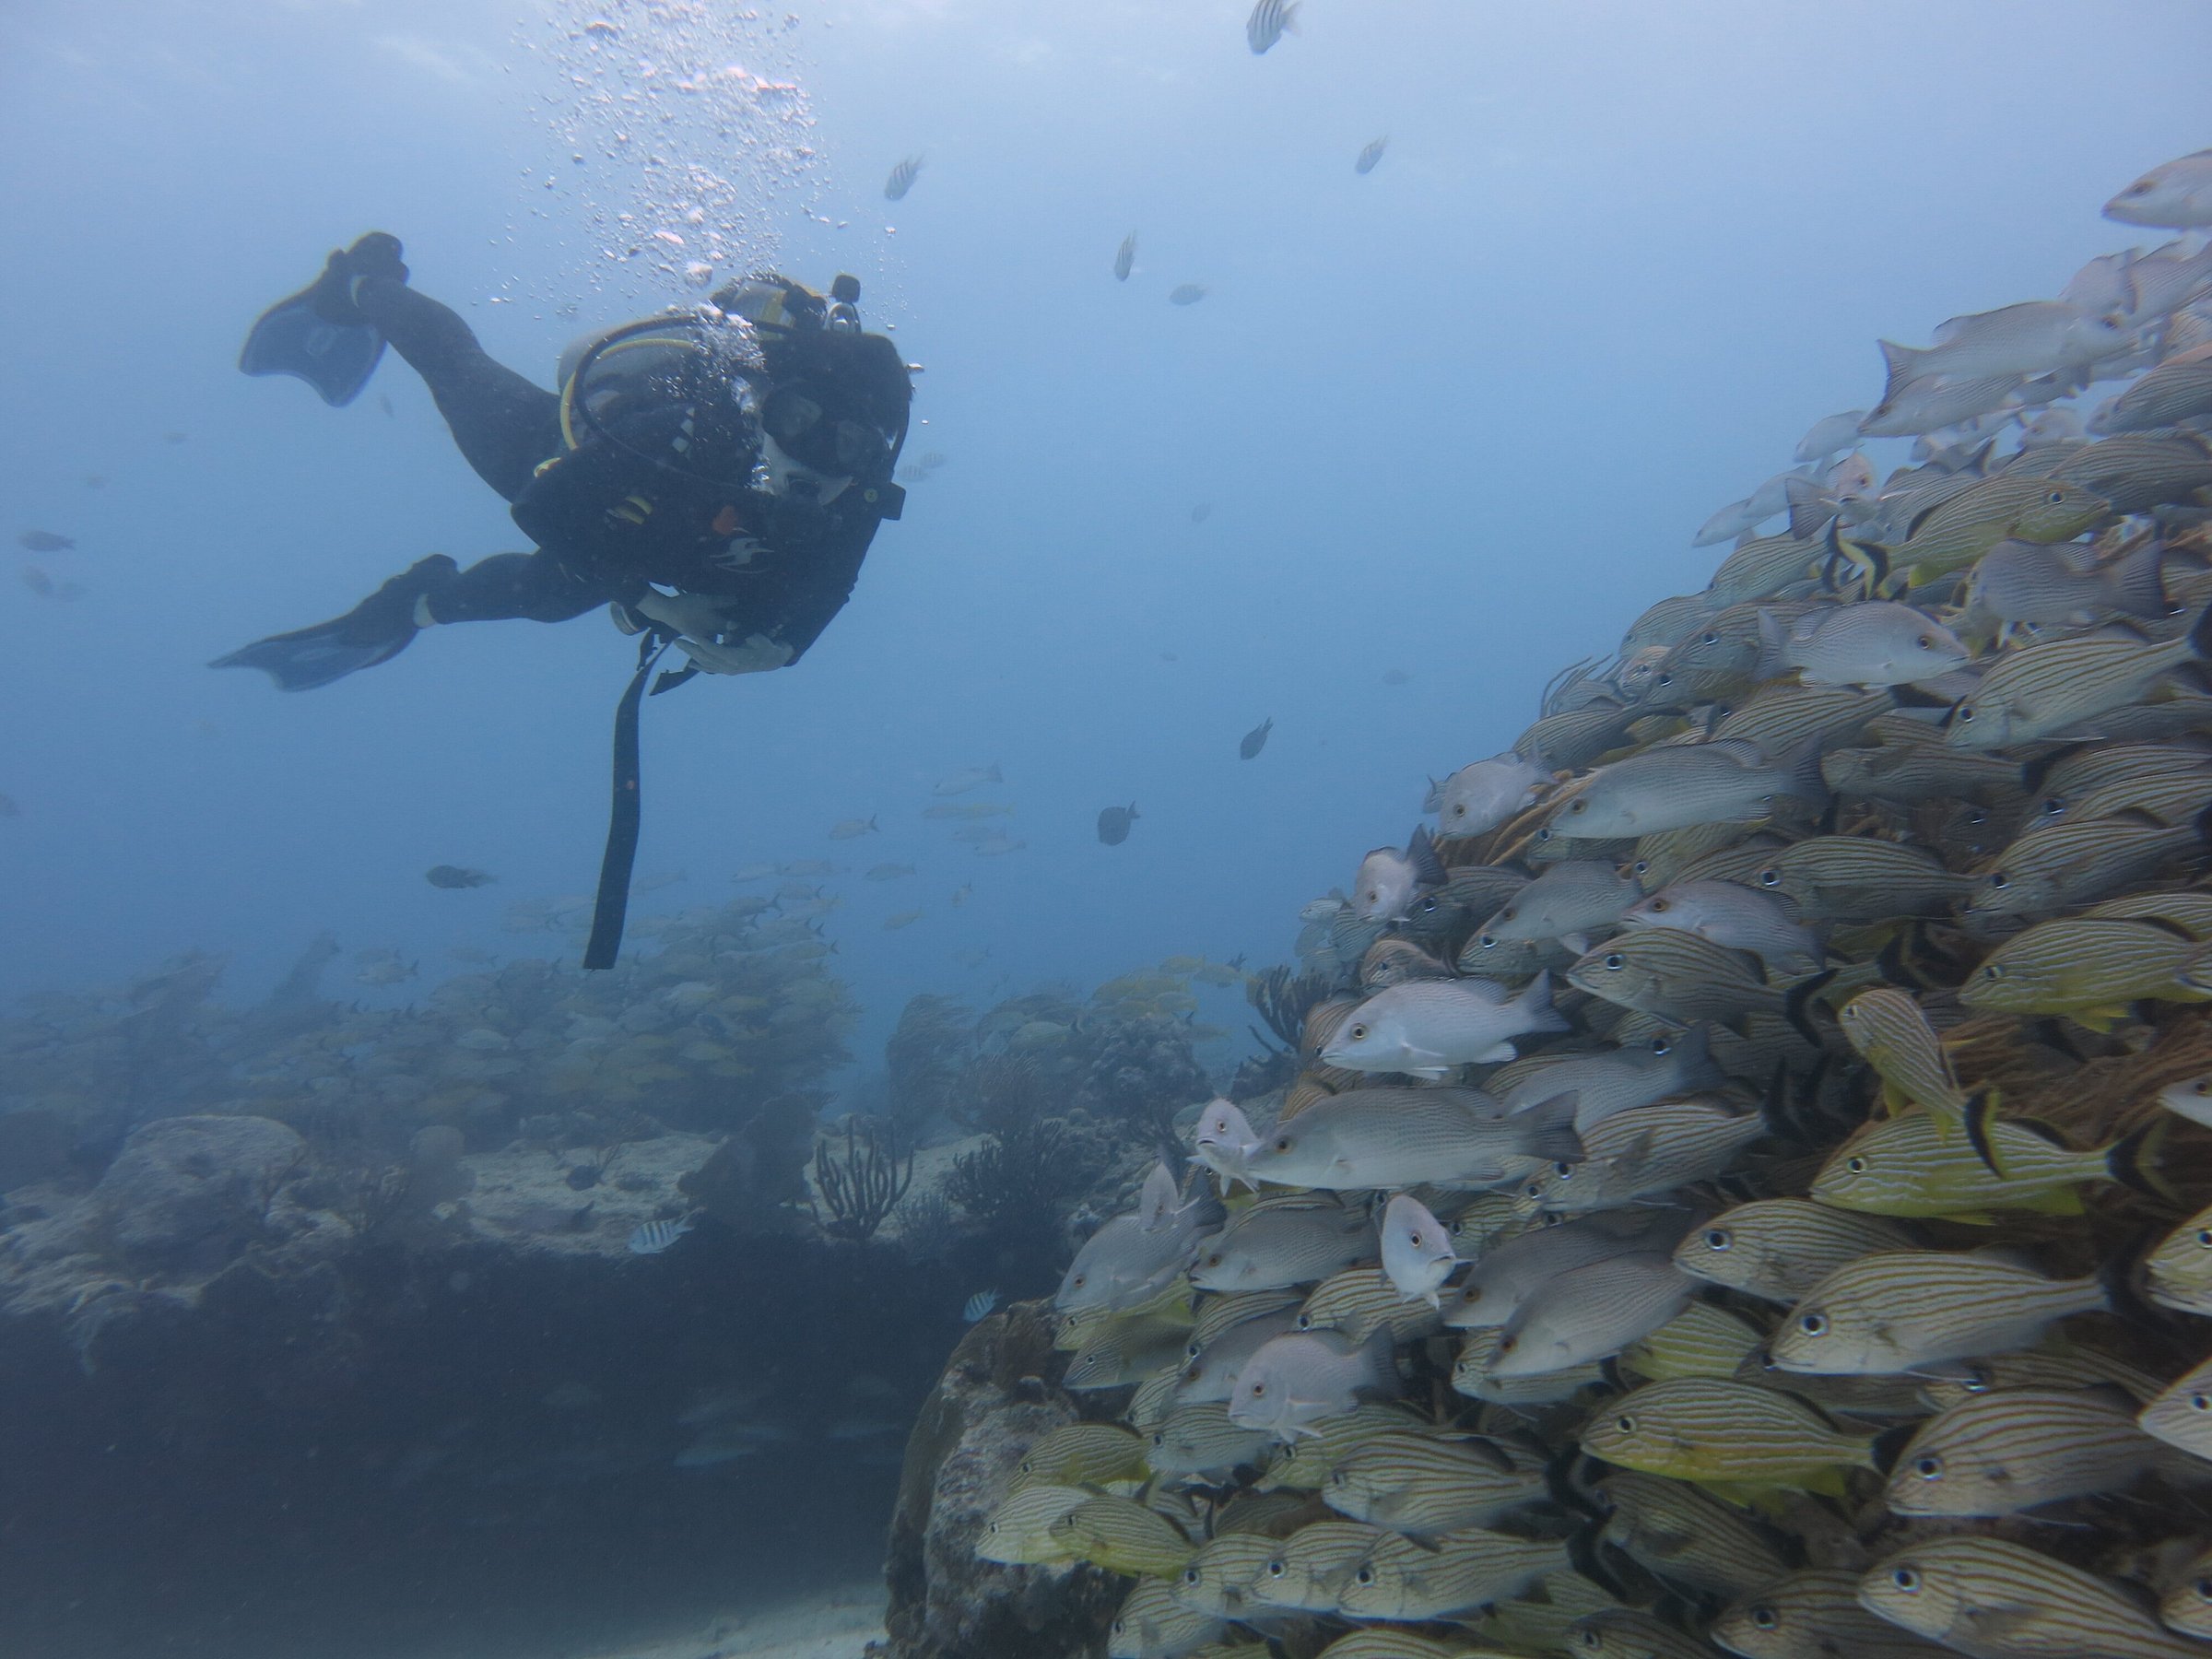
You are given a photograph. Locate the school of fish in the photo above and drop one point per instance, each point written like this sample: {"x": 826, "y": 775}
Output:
{"x": 1744, "y": 1180}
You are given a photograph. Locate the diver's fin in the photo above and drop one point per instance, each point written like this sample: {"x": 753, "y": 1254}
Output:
{"x": 375, "y": 631}
{"x": 335, "y": 359}
{"x": 317, "y": 335}
{"x": 312, "y": 656}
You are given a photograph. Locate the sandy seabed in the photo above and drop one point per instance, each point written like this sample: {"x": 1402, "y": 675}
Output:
{"x": 828, "y": 1624}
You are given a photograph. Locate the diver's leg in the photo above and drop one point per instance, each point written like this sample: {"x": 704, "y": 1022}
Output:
{"x": 535, "y": 587}
{"x": 504, "y": 425}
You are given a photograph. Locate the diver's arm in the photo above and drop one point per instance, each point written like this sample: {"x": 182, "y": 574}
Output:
{"x": 821, "y": 585}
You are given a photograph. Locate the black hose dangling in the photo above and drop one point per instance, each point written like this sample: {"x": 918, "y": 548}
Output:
{"x": 611, "y": 909}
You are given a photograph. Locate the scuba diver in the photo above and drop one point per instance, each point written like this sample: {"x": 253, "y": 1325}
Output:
{"x": 713, "y": 476}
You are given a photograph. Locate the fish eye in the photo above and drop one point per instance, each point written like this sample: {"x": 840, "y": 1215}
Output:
{"x": 1366, "y": 1575}
{"x": 1925, "y": 642}
{"x": 1857, "y": 1165}
{"x": 1214, "y": 1260}
{"x": 1764, "y": 1617}
{"x": 1813, "y": 1324}
{"x": 1277, "y": 1568}
{"x": 1615, "y": 961}
{"x": 1718, "y": 1239}
{"x": 1565, "y": 1171}
{"x": 1662, "y": 1047}
{"x": 1259, "y": 1390}
{"x": 1160, "y": 1437}
{"x": 2055, "y": 497}
{"x": 1995, "y": 970}
{"x": 1080, "y": 1280}
{"x": 2198, "y": 1402}
{"x": 1413, "y": 1237}
{"x": 1305, "y": 1322}
{"x": 1965, "y": 712}
{"x": 1770, "y": 876}
{"x": 1506, "y": 1344}
{"x": 1358, "y": 1033}
{"x": 1659, "y": 907}
{"x": 2202, "y": 1588}
{"x": 1578, "y": 806}
{"x": 1119, "y": 1626}
{"x": 1905, "y": 1579}
{"x": 1282, "y": 1144}
{"x": 2202, "y": 1086}
{"x": 1710, "y": 636}
{"x": 1487, "y": 941}
{"x": 1191, "y": 1575}
{"x": 1927, "y": 1468}
{"x": 2000, "y": 881}
{"x": 1627, "y": 1425}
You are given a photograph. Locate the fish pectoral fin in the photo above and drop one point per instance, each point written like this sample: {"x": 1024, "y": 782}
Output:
{"x": 1495, "y": 1055}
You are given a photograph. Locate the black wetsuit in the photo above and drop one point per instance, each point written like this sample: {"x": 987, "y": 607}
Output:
{"x": 608, "y": 517}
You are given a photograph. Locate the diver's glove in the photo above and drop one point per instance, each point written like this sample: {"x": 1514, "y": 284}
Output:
{"x": 756, "y": 656}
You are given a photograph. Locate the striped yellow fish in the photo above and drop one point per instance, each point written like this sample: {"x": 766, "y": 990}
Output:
{"x": 1358, "y": 1299}
{"x": 2074, "y": 860}
{"x": 1886, "y": 1026}
{"x": 2178, "y": 1271}
{"x": 1423, "y": 1484}
{"x": 2187, "y": 1608}
{"x": 1783, "y": 720}
{"x": 1999, "y": 1453}
{"x": 2181, "y": 1415}
{"x": 1304, "y": 1465}
{"x": 2043, "y": 689}
{"x": 2058, "y": 1366}
{"x": 1952, "y": 536}
{"x": 1150, "y": 1624}
{"x": 1474, "y": 1373}
{"x": 1860, "y": 878}
{"x": 2091, "y": 967}
{"x": 1077, "y": 1455}
{"x": 1911, "y": 1166}
{"x": 1814, "y": 1616}
{"x": 1905, "y": 1311}
{"x": 1454, "y": 1574}
{"x": 1731, "y": 1435}
{"x": 1777, "y": 1249}
{"x": 1121, "y": 1535}
{"x": 1623, "y": 1633}
{"x": 1020, "y": 1531}
{"x": 1219, "y": 1579}
{"x": 1763, "y": 564}
{"x": 1200, "y": 1441}
{"x": 1673, "y": 1529}
{"x": 1700, "y": 1341}
{"x": 1997, "y": 1600}
{"x": 1307, "y": 1569}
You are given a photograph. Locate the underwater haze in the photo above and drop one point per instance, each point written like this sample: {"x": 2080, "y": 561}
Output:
{"x": 553, "y": 1328}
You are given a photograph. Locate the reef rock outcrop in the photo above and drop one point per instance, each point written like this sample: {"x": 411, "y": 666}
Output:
{"x": 1000, "y": 1393}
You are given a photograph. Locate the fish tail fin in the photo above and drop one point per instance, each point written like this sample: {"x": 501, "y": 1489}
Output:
{"x": 2134, "y": 582}
{"x": 1550, "y": 1129}
{"x": 1291, "y": 17}
{"x": 1693, "y": 1057}
{"x": 2135, "y": 1158}
{"x": 2200, "y": 633}
{"x": 1774, "y": 639}
{"x": 1796, "y": 1007}
{"x": 1883, "y": 1449}
{"x": 1380, "y": 1350}
{"x": 1535, "y": 1001}
{"x": 1902, "y": 364}
{"x": 1420, "y": 852}
{"x": 1980, "y": 1113}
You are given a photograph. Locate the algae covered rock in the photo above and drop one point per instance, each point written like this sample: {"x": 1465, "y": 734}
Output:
{"x": 998, "y": 1395}
{"x": 196, "y": 1187}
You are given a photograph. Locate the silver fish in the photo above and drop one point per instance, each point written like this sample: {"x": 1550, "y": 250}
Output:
{"x": 1830, "y": 435}
{"x": 1224, "y": 1139}
{"x": 1592, "y": 1312}
{"x": 1399, "y": 1137}
{"x": 1573, "y": 901}
{"x": 1369, "y": 154}
{"x": 1723, "y": 780}
{"x": 1125, "y": 258}
{"x": 1935, "y": 402}
{"x": 1416, "y": 1249}
{"x": 1278, "y": 1243}
{"x": 1877, "y": 643}
{"x": 1388, "y": 880}
{"x": 1735, "y": 917}
{"x": 2019, "y": 582}
{"x": 1614, "y": 1080}
{"x": 1505, "y": 1278}
{"x": 1296, "y": 1380}
{"x": 1122, "y": 1265}
{"x": 2176, "y": 195}
{"x": 1211, "y": 1374}
{"x": 2031, "y": 338}
{"x": 1482, "y": 794}
{"x": 1425, "y": 1028}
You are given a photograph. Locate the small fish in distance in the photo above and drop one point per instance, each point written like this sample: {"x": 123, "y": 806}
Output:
{"x": 44, "y": 541}
{"x": 1125, "y": 258}
{"x": 653, "y": 1237}
{"x": 977, "y": 1307}
{"x": 453, "y": 876}
{"x": 1369, "y": 154}
{"x": 1114, "y": 824}
{"x": 902, "y": 179}
{"x": 1186, "y": 293}
{"x": 1268, "y": 20}
{"x": 1255, "y": 740}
